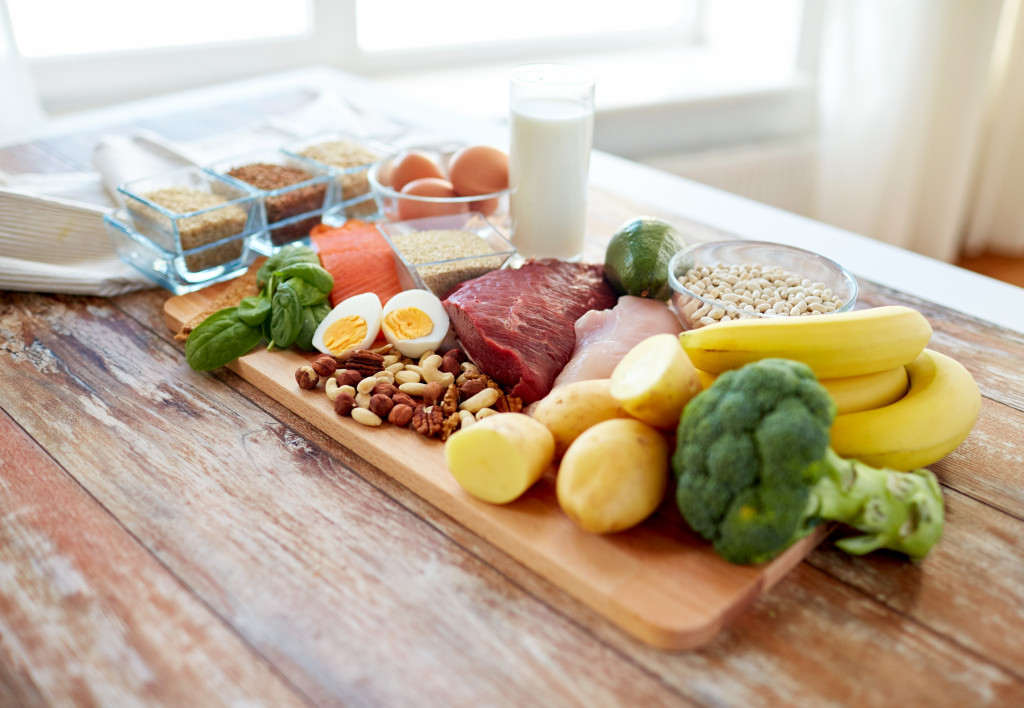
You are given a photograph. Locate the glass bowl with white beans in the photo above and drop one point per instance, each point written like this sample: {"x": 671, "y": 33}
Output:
{"x": 719, "y": 281}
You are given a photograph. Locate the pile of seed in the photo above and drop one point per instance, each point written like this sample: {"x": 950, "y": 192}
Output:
{"x": 199, "y": 229}
{"x": 345, "y": 154}
{"x": 750, "y": 287}
{"x": 286, "y": 203}
{"x": 466, "y": 256}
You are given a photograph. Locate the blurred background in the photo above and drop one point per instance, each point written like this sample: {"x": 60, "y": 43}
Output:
{"x": 899, "y": 119}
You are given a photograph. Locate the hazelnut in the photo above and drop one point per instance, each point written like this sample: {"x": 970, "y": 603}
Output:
{"x": 344, "y": 403}
{"x": 472, "y": 387}
{"x": 400, "y": 415}
{"x": 403, "y": 399}
{"x": 451, "y": 363}
{"x": 306, "y": 378}
{"x": 385, "y": 388}
{"x": 325, "y": 365}
{"x": 381, "y": 404}
{"x": 433, "y": 392}
{"x": 348, "y": 377}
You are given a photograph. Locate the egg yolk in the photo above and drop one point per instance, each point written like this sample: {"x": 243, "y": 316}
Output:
{"x": 408, "y": 323}
{"x": 345, "y": 333}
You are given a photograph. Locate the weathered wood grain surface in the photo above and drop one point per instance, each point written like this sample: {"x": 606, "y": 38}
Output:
{"x": 175, "y": 538}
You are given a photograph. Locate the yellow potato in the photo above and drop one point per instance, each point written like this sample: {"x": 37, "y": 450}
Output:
{"x": 573, "y": 407}
{"x": 655, "y": 380}
{"x": 501, "y": 456}
{"x": 614, "y": 475}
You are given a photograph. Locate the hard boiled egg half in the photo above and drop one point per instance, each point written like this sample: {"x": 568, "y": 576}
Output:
{"x": 415, "y": 322}
{"x": 353, "y": 324}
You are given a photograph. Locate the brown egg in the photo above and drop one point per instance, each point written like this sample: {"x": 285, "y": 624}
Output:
{"x": 485, "y": 206}
{"x": 412, "y": 165}
{"x": 429, "y": 187}
{"x": 478, "y": 169}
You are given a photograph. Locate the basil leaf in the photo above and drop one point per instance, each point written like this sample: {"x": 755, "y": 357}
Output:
{"x": 296, "y": 253}
{"x": 309, "y": 323}
{"x": 308, "y": 294}
{"x": 220, "y": 339}
{"x": 285, "y": 316}
{"x": 253, "y": 310}
{"x": 311, "y": 273}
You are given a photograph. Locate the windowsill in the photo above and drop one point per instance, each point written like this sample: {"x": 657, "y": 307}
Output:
{"x": 648, "y": 102}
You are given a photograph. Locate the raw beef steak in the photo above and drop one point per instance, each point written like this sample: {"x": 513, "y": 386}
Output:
{"x": 517, "y": 325}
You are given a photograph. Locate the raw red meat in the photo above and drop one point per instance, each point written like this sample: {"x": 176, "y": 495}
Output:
{"x": 517, "y": 325}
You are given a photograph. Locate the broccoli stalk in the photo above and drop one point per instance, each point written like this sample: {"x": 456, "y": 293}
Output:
{"x": 755, "y": 473}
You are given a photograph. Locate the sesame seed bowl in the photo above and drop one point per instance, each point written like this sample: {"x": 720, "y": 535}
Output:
{"x": 719, "y": 281}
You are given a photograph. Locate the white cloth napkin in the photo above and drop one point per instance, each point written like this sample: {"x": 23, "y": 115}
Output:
{"x": 52, "y": 236}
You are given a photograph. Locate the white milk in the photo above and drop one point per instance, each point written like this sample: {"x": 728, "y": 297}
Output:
{"x": 549, "y": 158}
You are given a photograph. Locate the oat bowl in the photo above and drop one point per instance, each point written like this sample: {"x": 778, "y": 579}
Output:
{"x": 727, "y": 280}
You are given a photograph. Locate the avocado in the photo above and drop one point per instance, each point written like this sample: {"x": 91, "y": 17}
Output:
{"x": 636, "y": 261}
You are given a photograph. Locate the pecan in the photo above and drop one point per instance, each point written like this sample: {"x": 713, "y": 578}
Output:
{"x": 427, "y": 420}
{"x": 450, "y": 401}
{"x": 344, "y": 403}
{"x": 381, "y": 405}
{"x": 306, "y": 378}
{"x": 400, "y": 415}
{"x": 432, "y": 393}
{"x": 472, "y": 387}
{"x": 366, "y": 362}
{"x": 325, "y": 365}
{"x": 450, "y": 425}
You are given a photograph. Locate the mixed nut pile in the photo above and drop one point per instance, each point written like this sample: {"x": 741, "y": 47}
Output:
{"x": 434, "y": 395}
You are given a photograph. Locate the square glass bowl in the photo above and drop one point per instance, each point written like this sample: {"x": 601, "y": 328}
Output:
{"x": 695, "y": 307}
{"x": 295, "y": 193}
{"x": 349, "y": 158}
{"x": 189, "y": 208}
{"x": 442, "y": 251}
{"x": 178, "y": 270}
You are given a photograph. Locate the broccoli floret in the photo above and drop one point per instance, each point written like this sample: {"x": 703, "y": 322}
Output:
{"x": 755, "y": 473}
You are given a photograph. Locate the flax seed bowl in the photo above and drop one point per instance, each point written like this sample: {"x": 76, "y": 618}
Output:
{"x": 720, "y": 281}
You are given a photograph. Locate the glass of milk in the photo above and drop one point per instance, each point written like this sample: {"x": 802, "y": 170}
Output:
{"x": 551, "y": 133}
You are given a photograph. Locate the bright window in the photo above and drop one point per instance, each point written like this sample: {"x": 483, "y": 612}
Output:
{"x": 415, "y": 24}
{"x": 51, "y": 28}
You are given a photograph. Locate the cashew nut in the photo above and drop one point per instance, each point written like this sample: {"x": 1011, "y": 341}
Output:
{"x": 430, "y": 370}
{"x": 477, "y": 402}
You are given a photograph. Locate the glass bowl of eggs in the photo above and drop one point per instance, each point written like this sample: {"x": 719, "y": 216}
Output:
{"x": 429, "y": 181}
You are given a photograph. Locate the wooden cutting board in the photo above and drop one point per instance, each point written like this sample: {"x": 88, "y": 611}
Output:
{"x": 658, "y": 581}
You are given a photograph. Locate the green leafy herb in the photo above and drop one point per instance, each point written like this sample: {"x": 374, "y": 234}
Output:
{"x": 312, "y": 273}
{"x": 220, "y": 339}
{"x": 254, "y": 310}
{"x": 285, "y": 316}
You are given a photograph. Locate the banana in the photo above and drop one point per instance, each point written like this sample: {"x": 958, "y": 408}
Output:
{"x": 834, "y": 345}
{"x": 853, "y": 393}
{"x": 930, "y": 421}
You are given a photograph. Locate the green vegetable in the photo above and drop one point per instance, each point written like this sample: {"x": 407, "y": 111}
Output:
{"x": 285, "y": 316}
{"x": 291, "y": 303}
{"x": 254, "y": 310}
{"x": 220, "y": 339}
{"x": 755, "y": 472}
{"x": 636, "y": 260}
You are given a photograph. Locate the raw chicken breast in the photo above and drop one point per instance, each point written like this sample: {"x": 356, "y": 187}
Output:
{"x": 604, "y": 336}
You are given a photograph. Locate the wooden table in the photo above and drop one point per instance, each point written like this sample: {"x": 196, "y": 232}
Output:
{"x": 170, "y": 537}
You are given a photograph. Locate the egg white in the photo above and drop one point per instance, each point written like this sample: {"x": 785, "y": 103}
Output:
{"x": 430, "y": 304}
{"x": 367, "y": 306}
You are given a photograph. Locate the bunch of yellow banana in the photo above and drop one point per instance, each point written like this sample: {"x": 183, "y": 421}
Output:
{"x": 898, "y": 404}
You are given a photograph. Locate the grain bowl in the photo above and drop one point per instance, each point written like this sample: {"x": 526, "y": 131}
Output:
{"x": 442, "y": 251}
{"x": 727, "y": 280}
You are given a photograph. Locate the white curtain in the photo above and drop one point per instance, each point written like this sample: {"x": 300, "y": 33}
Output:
{"x": 19, "y": 105}
{"x": 922, "y": 123}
